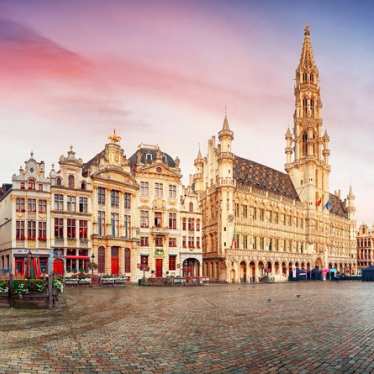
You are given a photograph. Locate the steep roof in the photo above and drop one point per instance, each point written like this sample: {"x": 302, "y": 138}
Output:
{"x": 144, "y": 151}
{"x": 250, "y": 173}
{"x": 337, "y": 206}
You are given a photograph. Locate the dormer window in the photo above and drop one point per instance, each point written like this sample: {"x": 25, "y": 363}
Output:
{"x": 148, "y": 157}
{"x": 58, "y": 181}
{"x": 22, "y": 185}
{"x": 71, "y": 181}
{"x": 40, "y": 186}
{"x": 191, "y": 207}
{"x": 31, "y": 184}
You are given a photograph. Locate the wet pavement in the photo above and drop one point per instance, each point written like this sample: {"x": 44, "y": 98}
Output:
{"x": 316, "y": 327}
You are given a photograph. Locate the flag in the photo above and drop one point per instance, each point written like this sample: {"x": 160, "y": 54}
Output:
{"x": 318, "y": 202}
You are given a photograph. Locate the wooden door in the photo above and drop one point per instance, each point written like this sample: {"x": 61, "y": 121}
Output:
{"x": 159, "y": 267}
{"x": 115, "y": 261}
{"x": 19, "y": 267}
{"x": 58, "y": 266}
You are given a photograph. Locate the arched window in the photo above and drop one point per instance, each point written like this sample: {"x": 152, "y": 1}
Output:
{"x": 305, "y": 144}
{"x": 101, "y": 260}
{"x": 71, "y": 181}
{"x": 58, "y": 181}
{"x": 305, "y": 105}
{"x": 31, "y": 184}
{"x": 127, "y": 260}
{"x": 312, "y": 78}
{"x": 305, "y": 77}
{"x": 312, "y": 106}
{"x": 191, "y": 207}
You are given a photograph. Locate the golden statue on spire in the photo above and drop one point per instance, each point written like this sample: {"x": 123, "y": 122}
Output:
{"x": 114, "y": 138}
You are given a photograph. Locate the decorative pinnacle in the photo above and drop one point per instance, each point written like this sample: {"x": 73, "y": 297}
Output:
{"x": 306, "y": 30}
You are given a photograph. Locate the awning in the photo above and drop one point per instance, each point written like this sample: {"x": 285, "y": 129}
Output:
{"x": 77, "y": 257}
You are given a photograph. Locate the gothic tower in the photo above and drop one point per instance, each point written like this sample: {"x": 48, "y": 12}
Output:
{"x": 307, "y": 152}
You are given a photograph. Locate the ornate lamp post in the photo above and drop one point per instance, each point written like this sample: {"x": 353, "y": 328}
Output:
{"x": 92, "y": 262}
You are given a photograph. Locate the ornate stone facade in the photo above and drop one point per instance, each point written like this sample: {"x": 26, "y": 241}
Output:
{"x": 365, "y": 246}
{"x": 257, "y": 220}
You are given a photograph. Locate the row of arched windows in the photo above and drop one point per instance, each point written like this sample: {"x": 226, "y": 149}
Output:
{"x": 71, "y": 182}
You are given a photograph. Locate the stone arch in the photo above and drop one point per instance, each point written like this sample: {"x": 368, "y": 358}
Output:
{"x": 252, "y": 267}
{"x": 261, "y": 268}
{"x": 284, "y": 269}
{"x": 243, "y": 272}
{"x": 276, "y": 267}
{"x": 269, "y": 267}
{"x": 319, "y": 263}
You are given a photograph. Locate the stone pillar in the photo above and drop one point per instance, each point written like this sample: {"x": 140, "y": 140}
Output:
{"x": 108, "y": 260}
{"x": 121, "y": 255}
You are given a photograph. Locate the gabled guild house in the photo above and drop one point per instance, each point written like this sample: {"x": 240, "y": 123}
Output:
{"x": 25, "y": 208}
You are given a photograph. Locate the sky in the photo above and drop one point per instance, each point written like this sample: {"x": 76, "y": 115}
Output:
{"x": 162, "y": 72}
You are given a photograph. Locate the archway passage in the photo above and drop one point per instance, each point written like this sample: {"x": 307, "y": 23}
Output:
{"x": 252, "y": 265}
{"x": 261, "y": 268}
{"x": 284, "y": 269}
{"x": 232, "y": 276}
{"x": 243, "y": 272}
{"x": 319, "y": 264}
{"x": 191, "y": 267}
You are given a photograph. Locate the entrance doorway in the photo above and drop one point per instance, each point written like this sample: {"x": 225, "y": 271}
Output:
{"x": 158, "y": 267}
{"x": 191, "y": 268}
{"x": 58, "y": 266}
{"x": 115, "y": 261}
{"x": 243, "y": 272}
{"x": 19, "y": 267}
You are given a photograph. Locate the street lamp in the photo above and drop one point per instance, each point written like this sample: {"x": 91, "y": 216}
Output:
{"x": 92, "y": 262}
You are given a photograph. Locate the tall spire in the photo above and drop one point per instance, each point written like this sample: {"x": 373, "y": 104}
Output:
{"x": 306, "y": 58}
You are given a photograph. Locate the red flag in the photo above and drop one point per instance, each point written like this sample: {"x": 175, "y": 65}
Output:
{"x": 318, "y": 202}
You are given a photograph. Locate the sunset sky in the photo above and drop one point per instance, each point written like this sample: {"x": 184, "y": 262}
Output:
{"x": 161, "y": 72}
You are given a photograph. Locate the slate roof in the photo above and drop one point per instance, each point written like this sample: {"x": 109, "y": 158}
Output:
{"x": 250, "y": 173}
{"x": 337, "y": 207}
{"x": 144, "y": 151}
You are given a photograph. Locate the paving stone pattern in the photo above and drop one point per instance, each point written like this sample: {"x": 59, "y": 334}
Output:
{"x": 266, "y": 328}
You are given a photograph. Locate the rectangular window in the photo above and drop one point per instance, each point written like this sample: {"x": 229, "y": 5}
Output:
{"x": 59, "y": 202}
{"x": 127, "y": 226}
{"x": 42, "y": 206}
{"x": 184, "y": 242}
{"x": 276, "y": 218}
{"x": 20, "y": 205}
{"x": 144, "y": 262}
{"x": 71, "y": 228}
{"x": 191, "y": 224}
{"x": 173, "y": 221}
{"x": 83, "y": 204}
{"x": 22, "y": 185}
{"x": 190, "y": 242}
{"x": 101, "y": 223}
{"x": 172, "y": 262}
{"x": 71, "y": 204}
{"x": 158, "y": 219}
{"x": 289, "y": 220}
{"x": 144, "y": 219}
{"x": 144, "y": 188}
{"x": 40, "y": 186}
{"x": 245, "y": 212}
{"x": 144, "y": 241}
{"x": 172, "y": 242}
{"x": 31, "y": 230}
{"x": 20, "y": 230}
{"x": 83, "y": 230}
{"x": 270, "y": 216}
{"x": 114, "y": 198}
{"x": 42, "y": 234}
{"x": 254, "y": 213}
{"x": 254, "y": 242}
{"x": 159, "y": 242}
{"x": 262, "y": 243}
{"x": 59, "y": 228}
{"x": 31, "y": 205}
{"x": 115, "y": 224}
{"x": 245, "y": 242}
{"x": 236, "y": 210}
{"x": 101, "y": 196}
{"x": 172, "y": 191}
{"x": 261, "y": 214}
{"x": 127, "y": 200}
{"x": 198, "y": 242}
{"x": 198, "y": 224}
{"x": 159, "y": 190}
{"x": 184, "y": 223}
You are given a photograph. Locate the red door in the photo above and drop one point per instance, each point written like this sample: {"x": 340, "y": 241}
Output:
{"x": 158, "y": 267}
{"x": 20, "y": 267}
{"x": 58, "y": 266}
{"x": 115, "y": 261}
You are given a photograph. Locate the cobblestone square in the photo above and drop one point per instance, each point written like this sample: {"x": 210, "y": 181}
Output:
{"x": 315, "y": 327}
